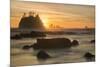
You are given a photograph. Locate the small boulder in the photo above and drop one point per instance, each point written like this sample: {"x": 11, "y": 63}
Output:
{"x": 89, "y": 57}
{"x": 75, "y": 43}
{"x": 42, "y": 55}
{"x": 26, "y": 47}
{"x": 92, "y": 41}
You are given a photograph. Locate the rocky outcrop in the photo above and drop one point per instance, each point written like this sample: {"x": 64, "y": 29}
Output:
{"x": 33, "y": 34}
{"x": 16, "y": 37}
{"x": 52, "y": 43}
{"x": 31, "y": 22}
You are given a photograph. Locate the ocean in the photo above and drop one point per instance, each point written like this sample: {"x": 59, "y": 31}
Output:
{"x": 20, "y": 57}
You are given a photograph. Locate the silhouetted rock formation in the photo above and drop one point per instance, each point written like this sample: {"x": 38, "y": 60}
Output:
{"x": 89, "y": 57}
{"x": 92, "y": 41}
{"x": 52, "y": 43}
{"x": 16, "y": 37}
{"x": 75, "y": 43}
{"x": 31, "y": 22}
{"x": 28, "y": 35}
{"x": 33, "y": 34}
{"x": 42, "y": 55}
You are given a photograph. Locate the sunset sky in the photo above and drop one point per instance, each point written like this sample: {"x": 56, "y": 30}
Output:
{"x": 63, "y": 15}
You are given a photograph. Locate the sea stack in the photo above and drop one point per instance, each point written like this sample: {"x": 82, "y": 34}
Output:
{"x": 31, "y": 22}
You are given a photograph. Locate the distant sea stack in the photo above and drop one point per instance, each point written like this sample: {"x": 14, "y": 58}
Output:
{"x": 31, "y": 22}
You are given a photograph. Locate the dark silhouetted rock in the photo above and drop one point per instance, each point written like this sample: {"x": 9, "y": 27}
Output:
{"x": 38, "y": 34}
{"x": 31, "y": 22}
{"x": 89, "y": 57}
{"x": 92, "y": 41}
{"x": 75, "y": 43}
{"x": 52, "y": 43}
{"x": 42, "y": 55}
{"x": 31, "y": 26}
{"x": 33, "y": 34}
{"x": 16, "y": 37}
{"x": 26, "y": 47}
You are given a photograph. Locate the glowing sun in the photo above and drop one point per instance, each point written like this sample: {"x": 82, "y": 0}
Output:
{"x": 45, "y": 22}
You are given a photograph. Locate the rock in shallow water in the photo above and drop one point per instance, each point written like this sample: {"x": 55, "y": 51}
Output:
{"x": 26, "y": 47}
{"x": 75, "y": 43}
{"x": 52, "y": 43}
{"x": 42, "y": 55}
{"x": 89, "y": 57}
{"x": 92, "y": 41}
{"x": 16, "y": 37}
